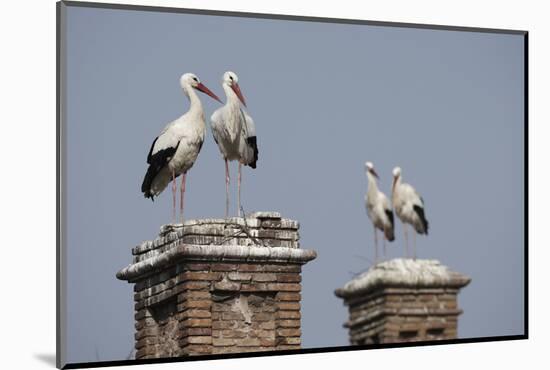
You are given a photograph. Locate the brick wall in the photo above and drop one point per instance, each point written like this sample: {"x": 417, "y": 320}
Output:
{"x": 403, "y": 301}
{"x": 239, "y": 296}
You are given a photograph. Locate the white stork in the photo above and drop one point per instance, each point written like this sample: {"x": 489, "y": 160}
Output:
{"x": 409, "y": 207}
{"x": 234, "y": 132}
{"x": 378, "y": 209}
{"x": 175, "y": 150}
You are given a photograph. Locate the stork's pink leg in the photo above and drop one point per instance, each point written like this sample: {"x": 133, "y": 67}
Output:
{"x": 406, "y": 240}
{"x": 182, "y": 196}
{"x": 226, "y": 188}
{"x": 174, "y": 188}
{"x": 414, "y": 245}
{"x": 375, "y": 245}
{"x": 239, "y": 189}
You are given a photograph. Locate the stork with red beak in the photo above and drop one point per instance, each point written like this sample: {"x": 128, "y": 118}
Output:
{"x": 409, "y": 207}
{"x": 378, "y": 209}
{"x": 175, "y": 150}
{"x": 234, "y": 132}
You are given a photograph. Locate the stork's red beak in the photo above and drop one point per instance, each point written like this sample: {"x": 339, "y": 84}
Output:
{"x": 207, "y": 91}
{"x": 235, "y": 87}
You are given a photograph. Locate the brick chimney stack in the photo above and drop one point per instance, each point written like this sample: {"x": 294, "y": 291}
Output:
{"x": 218, "y": 286}
{"x": 403, "y": 300}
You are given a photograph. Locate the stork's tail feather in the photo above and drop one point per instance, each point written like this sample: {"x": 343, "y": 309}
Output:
{"x": 388, "y": 232}
{"x": 148, "y": 181}
{"x": 420, "y": 212}
{"x": 252, "y": 143}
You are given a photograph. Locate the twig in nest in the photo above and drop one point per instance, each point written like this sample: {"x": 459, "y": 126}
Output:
{"x": 243, "y": 230}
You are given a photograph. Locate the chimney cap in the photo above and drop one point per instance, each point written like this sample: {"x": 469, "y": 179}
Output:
{"x": 403, "y": 272}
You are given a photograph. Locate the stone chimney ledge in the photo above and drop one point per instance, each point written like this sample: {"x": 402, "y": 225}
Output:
{"x": 260, "y": 237}
{"x": 216, "y": 253}
{"x": 403, "y": 273}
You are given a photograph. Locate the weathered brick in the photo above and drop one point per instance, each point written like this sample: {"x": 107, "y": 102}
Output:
{"x": 191, "y": 303}
{"x": 248, "y": 342}
{"x": 195, "y": 331}
{"x": 234, "y": 333}
{"x": 196, "y": 323}
{"x": 289, "y": 332}
{"x": 269, "y": 325}
{"x": 232, "y": 316}
{"x": 259, "y": 333}
{"x": 289, "y": 278}
{"x": 287, "y": 296}
{"x": 245, "y": 267}
{"x": 223, "y": 342}
{"x": 201, "y": 276}
{"x": 224, "y": 267}
{"x": 267, "y": 342}
{"x": 197, "y": 266}
{"x": 148, "y": 332}
{"x": 195, "y": 285}
{"x": 289, "y": 340}
{"x": 197, "y": 313}
{"x": 220, "y": 324}
{"x": 254, "y": 287}
{"x": 147, "y": 341}
{"x": 143, "y": 323}
{"x": 289, "y": 323}
{"x": 194, "y": 349}
{"x": 195, "y": 294}
{"x": 267, "y": 277}
{"x": 262, "y": 317}
{"x": 264, "y": 308}
{"x": 288, "y": 306}
{"x": 239, "y": 276}
{"x": 287, "y": 347}
{"x": 198, "y": 340}
{"x": 288, "y": 315}
{"x": 227, "y": 285}
{"x": 282, "y": 268}
{"x": 287, "y": 287}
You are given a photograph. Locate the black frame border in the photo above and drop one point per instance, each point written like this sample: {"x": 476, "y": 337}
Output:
{"x": 60, "y": 200}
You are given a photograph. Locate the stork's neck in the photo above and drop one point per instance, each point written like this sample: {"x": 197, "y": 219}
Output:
{"x": 195, "y": 105}
{"x": 232, "y": 98}
{"x": 373, "y": 186}
{"x": 396, "y": 184}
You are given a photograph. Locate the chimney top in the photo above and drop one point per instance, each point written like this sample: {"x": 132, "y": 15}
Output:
{"x": 403, "y": 273}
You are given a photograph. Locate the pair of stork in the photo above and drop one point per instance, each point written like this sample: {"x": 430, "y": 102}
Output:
{"x": 175, "y": 150}
{"x": 408, "y": 205}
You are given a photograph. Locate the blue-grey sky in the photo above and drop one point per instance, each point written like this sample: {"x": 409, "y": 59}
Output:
{"x": 445, "y": 106}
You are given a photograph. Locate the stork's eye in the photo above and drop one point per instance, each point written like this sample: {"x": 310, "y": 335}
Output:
{"x": 194, "y": 78}
{"x": 231, "y": 78}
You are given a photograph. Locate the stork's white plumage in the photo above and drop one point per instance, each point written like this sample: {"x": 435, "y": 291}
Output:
{"x": 378, "y": 209}
{"x": 175, "y": 150}
{"x": 234, "y": 132}
{"x": 409, "y": 207}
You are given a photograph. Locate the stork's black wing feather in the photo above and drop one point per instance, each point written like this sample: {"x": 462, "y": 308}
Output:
{"x": 389, "y": 213}
{"x": 156, "y": 162}
{"x": 420, "y": 212}
{"x": 252, "y": 143}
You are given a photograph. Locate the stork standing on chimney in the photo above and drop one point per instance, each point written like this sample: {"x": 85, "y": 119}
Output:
{"x": 175, "y": 150}
{"x": 378, "y": 209}
{"x": 409, "y": 207}
{"x": 235, "y": 133}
